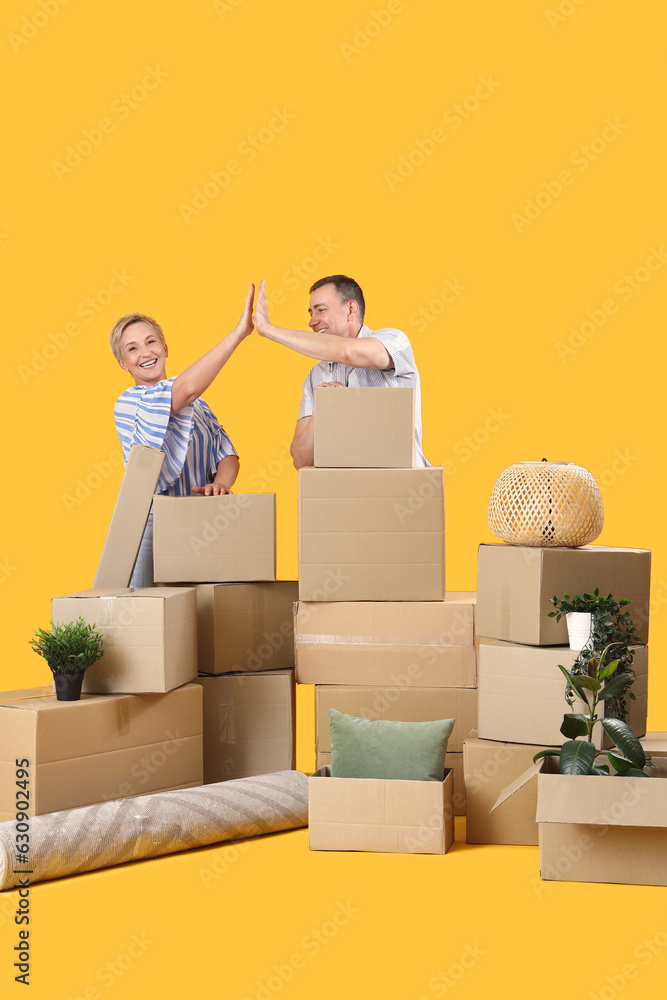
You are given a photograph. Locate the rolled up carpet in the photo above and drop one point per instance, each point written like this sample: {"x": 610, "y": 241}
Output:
{"x": 148, "y": 826}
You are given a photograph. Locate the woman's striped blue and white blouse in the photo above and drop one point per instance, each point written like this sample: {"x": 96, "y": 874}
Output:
{"x": 193, "y": 441}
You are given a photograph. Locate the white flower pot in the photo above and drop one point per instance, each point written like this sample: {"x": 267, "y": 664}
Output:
{"x": 579, "y": 627}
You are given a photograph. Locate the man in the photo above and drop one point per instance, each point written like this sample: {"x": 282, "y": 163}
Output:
{"x": 349, "y": 354}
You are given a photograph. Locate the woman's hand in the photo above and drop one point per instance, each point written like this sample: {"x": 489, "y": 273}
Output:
{"x": 244, "y": 326}
{"x": 212, "y": 490}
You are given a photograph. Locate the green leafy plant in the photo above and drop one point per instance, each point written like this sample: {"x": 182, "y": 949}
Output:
{"x": 612, "y": 628}
{"x": 70, "y": 648}
{"x": 602, "y": 682}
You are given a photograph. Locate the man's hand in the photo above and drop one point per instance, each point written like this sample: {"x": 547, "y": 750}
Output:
{"x": 245, "y": 325}
{"x": 212, "y": 490}
{"x": 262, "y": 321}
{"x": 331, "y": 385}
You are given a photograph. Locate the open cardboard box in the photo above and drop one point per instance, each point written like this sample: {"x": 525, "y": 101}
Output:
{"x": 378, "y": 814}
{"x": 599, "y": 829}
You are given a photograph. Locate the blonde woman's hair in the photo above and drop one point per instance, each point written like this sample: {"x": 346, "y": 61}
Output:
{"x": 122, "y": 325}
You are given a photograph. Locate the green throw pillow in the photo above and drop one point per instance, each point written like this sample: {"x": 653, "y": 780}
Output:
{"x": 384, "y": 749}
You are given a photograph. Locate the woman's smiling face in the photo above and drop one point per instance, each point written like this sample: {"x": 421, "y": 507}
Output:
{"x": 143, "y": 354}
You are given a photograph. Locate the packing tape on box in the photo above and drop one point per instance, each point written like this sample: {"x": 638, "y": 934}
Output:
{"x": 150, "y": 826}
{"x": 377, "y": 640}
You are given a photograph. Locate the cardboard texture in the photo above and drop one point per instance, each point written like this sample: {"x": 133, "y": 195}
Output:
{"x": 488, "y": 768}
{"x": 129, "y": 517}
{"x": 229, "y": 538}
{"x": 515, "y": 582}
{"x": 595, "y": 829}
{"x": 373, "y": 814}
{"x": 150, "y": 637}
{"x": 655, "y": 744}
{"x": 452, "y": 760}
{"x": 522, "y": 693}
{"x": 371, "y": 534}
{"x": 364, "y": 428}
{"x": 100, "y": 748}
{"x": 429, "y": 643}
{"x": 249, "y": 724}
{"x": 398, "y": 704}
{"x": 245, "y": 626}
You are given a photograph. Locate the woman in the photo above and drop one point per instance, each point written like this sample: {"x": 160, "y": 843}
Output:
{"x": 168, "y": 413}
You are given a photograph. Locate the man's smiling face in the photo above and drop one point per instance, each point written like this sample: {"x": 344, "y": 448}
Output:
{"x": 329, "y": 315}
{"x": 143, "y": 354}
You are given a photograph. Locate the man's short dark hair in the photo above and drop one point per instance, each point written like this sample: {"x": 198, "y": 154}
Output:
{"x": 346, "y": 289}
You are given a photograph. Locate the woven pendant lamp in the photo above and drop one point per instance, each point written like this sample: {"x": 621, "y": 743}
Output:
{"x": 546, "y": 503}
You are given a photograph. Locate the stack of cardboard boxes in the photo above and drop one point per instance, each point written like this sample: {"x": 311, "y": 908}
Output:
{"x": 373, "y": 630}
{"x": 521, "y": 690}
{"x": 146, "y": 721}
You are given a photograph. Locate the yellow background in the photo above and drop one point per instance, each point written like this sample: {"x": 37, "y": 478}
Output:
{"x": 359, "y": 88}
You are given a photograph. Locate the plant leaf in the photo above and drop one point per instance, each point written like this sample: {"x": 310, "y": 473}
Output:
{"x": 634, "y": 772}
{"x": 620, "y": 764}
{"x": 608, "y": 670}
{"x": 577, "y": 757}
{"x": 617, "y": 685}
{"x": 545, "y": 753}
{"x": 581, "y": 681}
{"x": 575, "y": 724}
{"x": 626, "y": 741}
{"x": 600, "y": 769}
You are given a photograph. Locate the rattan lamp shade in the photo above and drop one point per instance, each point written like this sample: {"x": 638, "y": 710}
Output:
{"x": 546, "y": 503}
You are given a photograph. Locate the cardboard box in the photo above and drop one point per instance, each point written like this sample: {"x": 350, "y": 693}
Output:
{"x": 129, "y": 517}
{"x": 376, "y": 814}
{"x": 425, "y": 643}
{"x": 214, "y": 539}
{"x": 655, "y": 744}
{"x": 371, "y": 534}
{"x": 522, "y": 693}
{"x": 100, "y": 748}
{"x": 249, "y": 724}
{"x": 150, "y": 637}
{"x": 398, "y": 704}
{"x": 488, "y": 768}
{"x": 452, "y": 760}
{"x": 515, "y": 582}
{"x": 369, "y": 428}
{"x": 600, "y": 829}
{"x": 245, "y": 626}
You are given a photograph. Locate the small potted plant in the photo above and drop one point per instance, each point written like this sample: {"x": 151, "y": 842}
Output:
{"x": 69, "y": 649}
{"x": 586, "y": 612}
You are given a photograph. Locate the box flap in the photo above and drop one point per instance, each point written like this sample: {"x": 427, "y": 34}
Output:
{"x": 518, "y": 783}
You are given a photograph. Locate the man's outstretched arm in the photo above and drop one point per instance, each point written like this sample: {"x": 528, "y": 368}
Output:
{"x": 301, "y": 448}
{"x": 364, "y": 352}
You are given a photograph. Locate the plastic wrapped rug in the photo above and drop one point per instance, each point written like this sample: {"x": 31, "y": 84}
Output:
{"x": 149, "y": 826}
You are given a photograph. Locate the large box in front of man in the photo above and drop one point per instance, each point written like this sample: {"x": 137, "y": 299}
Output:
{"x": 371, "y": 534}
